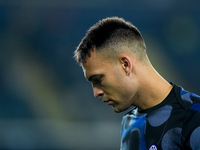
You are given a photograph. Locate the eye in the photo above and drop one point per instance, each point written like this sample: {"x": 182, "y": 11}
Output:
{"x": 96, "y": 80}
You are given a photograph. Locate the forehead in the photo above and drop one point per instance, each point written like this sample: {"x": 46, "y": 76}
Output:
{"x": 95, "y": 64}
{"x": 92, "y": 62}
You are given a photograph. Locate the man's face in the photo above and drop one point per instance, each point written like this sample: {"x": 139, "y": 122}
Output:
{"x": 109, "y": 81}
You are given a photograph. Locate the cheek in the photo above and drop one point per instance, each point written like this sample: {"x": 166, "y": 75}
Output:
{"x": 116, "y": 88}
{"x": 115, "y": 81}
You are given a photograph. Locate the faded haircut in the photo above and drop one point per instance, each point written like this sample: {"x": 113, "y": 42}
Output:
{"x": 111, "y": 34}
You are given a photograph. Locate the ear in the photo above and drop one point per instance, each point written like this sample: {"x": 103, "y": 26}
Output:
{"x": 126, "y": 64}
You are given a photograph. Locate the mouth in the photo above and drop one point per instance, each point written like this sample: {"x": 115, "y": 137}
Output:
{"x": 109, "y": 102}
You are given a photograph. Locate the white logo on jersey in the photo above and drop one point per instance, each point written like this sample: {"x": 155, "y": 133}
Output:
{"x": 153, "y": 147}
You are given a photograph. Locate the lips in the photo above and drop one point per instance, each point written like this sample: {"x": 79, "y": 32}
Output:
{"x": 109, "y": 102}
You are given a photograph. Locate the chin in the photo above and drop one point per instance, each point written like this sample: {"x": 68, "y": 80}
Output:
{"x": 118, "y": 110}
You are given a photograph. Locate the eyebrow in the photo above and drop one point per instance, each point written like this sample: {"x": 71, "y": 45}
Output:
{"x": 93, "y": 76}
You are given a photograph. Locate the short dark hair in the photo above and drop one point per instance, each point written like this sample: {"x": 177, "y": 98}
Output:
{"x": 101, "y": 33}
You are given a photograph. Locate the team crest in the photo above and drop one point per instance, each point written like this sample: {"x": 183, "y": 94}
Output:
{"x": 153, "y": 147}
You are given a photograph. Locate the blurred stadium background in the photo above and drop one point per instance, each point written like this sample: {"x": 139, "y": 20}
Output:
{"x": 45, "y": 102}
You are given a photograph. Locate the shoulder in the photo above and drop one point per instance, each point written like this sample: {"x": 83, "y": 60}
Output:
{"x": 191, "y": 103}
{"x": 188, "y": 100}
{"x": 191, "y": 127}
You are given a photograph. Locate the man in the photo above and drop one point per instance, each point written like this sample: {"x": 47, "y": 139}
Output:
{"x": 113, "y": 57}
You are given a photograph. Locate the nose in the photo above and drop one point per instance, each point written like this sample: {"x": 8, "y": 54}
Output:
{"x": 98, "y": 92}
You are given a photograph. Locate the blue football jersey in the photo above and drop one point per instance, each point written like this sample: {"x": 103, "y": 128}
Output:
{"x": 174, "y": 124}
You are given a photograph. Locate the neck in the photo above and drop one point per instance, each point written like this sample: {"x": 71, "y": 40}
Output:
{"x": 153, "y": 88}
